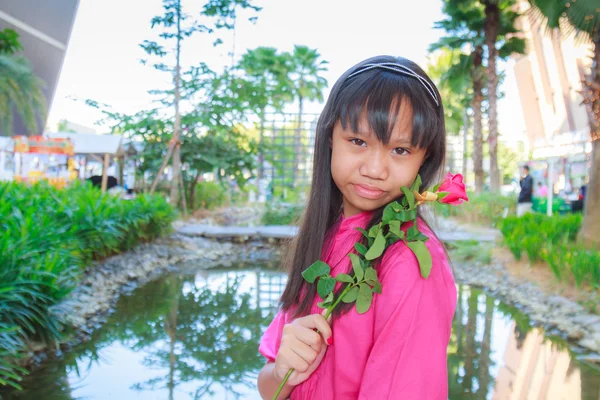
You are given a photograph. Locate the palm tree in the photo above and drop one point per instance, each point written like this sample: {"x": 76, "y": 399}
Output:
{"x": 582, "y": 17}
{"x": 454, "y": 84}
{"x": 20, "y": 92}
{"x": 464, "y": 33}
{"x": 266, "y": 84}
{"x": 499, "y": 24}
{"x": 465, "y": 26}
{"x": 305, "y": 69}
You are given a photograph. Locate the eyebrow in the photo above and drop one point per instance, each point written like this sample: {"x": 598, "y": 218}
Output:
{"x": 401, "y": 140}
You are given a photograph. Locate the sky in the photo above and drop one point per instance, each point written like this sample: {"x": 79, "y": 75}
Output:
{"x": 102, "y": 62}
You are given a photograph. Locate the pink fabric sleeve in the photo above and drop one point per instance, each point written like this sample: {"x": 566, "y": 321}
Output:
{"x": 269, "y": 344}
{"x": 413, "y": 320}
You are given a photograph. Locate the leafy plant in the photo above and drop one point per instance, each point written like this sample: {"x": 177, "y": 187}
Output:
{"x": 48, "y": 237}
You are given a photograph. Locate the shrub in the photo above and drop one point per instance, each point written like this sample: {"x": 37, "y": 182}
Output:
{"x": 484, "y": 209}
{"x": 282, "y": 214}
{"x": 48, "y": 236}
{"x": 552, "y": 239}
{"x": 210, "y": 195}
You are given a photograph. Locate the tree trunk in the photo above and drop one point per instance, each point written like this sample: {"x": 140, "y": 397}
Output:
{"x": 477, "y": 124}
{"x": 177, "y": 126}
{"x": 590, "y": 229}
{"x": 492, "y": 21}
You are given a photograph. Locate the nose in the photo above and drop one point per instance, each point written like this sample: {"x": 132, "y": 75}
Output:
{"x": 374, "y": 166}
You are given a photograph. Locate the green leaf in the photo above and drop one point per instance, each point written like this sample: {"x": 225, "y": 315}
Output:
{"x": 436, "y": 187}
{"x": 360, "y": 248}
{"x": 344, "y": 278}
{"x": 365, "y": 233}
{"x": 364, "y": 299}
{"x": 388, "y": 214}
{"x": 374, "y": 230}
{"x": 377, "y": 249}
{"x": 423, "y": 256}
{"x": 317, "y": 269}
{"x": 406, "y": 215}
{"x": 325, "y": 286}
{"x": 394, "y": 227}
{"x": 377, "y": 287}
{"x": 359, "y": 273}
{"x": 327, "y": 302}
{"x": 351, "y": 295}
{"x": 417, "y": 184}
{"x": 371, "y": 274}
{"x": 410, "y": 197}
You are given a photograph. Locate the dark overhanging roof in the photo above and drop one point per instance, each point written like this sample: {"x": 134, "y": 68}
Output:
{"x": 44, "y": 28}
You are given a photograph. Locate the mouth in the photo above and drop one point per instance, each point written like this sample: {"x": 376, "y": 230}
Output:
{"x": 368, "y": 192}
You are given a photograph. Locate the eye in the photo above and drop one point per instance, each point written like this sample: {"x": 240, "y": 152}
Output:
{"x": 401, "y": 151}
{"x": 358, "y": 142}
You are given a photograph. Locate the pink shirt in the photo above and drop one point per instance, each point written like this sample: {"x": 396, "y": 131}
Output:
{"x": 397, "y": 349}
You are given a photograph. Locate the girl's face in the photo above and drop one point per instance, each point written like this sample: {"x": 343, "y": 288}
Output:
{"x": 369, "y": 173}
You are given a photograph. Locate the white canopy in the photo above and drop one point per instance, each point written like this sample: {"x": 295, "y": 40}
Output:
{"x": 87, "y": 143}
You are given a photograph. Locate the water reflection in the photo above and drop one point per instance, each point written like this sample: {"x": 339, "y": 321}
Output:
{"x": 494, "y": 353}
{"x": 195, "y": 336}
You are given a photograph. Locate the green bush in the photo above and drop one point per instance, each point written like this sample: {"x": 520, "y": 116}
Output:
{"x": 282, "y": 214}
{"x": 483, "y": 209}
{"x": 47, "y": 237}
{"x": 210, "y": 195}
{"x": 552, "y": 239}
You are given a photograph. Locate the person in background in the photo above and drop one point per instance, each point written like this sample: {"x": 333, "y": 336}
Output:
{"x": 542, "y": 190}
{"x": 524, "y": 202}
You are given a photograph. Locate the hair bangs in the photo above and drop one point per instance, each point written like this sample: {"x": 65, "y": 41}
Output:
{"x": 383, "y": 95}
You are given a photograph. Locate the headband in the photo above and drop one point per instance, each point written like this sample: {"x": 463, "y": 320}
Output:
{"x": 401, "y": 69}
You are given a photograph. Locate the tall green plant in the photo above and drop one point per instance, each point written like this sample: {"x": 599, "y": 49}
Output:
{"x": 48, "y": 237}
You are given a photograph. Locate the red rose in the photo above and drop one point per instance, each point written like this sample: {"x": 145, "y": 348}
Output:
{"x": 454, "y": 186}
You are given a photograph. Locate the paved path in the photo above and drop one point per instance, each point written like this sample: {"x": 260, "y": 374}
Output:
{"x": 454, "y": 234}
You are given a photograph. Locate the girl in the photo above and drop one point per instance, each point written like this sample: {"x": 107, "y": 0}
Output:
{"x": 382, "y": 125}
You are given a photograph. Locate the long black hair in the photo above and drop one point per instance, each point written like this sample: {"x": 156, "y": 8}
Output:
{"x": 381, "y": 93}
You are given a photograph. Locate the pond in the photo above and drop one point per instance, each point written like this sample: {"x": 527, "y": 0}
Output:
{"x": 195, "y": 334}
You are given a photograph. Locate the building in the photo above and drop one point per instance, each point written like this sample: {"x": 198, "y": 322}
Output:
{"x": 549, "y": 78}
{"x": 44, "y": 28}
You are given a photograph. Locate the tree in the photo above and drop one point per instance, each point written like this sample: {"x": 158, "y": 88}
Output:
{"x": 305, "y": 69}
{"x": 464, "y": 33}
{"x": 466, "y": 28}
{"x": 499, "y": 28}
{"x": 582, "y": 17}
{"x": 454, "y": 83}
{"x": 20, "y": 89}
{"x": 266, "y": 84}
{"x": 175, "y": 28}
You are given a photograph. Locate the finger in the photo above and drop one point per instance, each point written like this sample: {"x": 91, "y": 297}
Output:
{"x": 316, "y": 321}
{"x": 295, "y": 361}
{"x": 306, "y": 352}
{"x": 310, "y": 337}
{"x": 328, "y": 318}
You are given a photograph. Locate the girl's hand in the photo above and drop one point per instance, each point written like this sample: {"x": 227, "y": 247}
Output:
{"x": 302, "y": 348}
